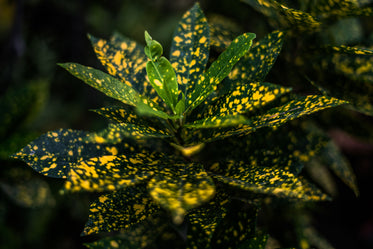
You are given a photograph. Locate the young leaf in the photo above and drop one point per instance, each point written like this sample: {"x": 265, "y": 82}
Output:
{"x": 219, "y": 70}
{"x": 190, "y": 48}
{"x": 107, "y": 173}
{"x": 181, "y": 188}
{"x": 54, "y": 153}
{"x": 160, "y": 73}
{"x": 119, "y": 210}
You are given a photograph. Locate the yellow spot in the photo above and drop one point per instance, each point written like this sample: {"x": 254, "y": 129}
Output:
{"x": 114, "y": 244}
{"x": 138, "y": 208}
{"x": 99, "y": 140}
{"x": 176, "y": 53}
{"x": 112, "y": 150}
{"x": 70, "y": 153}
{"x": 177, "y": 39}
{"x": 117, "y": 58}
{"x": 202, "y": 40}
{"x": 158, "y": 83}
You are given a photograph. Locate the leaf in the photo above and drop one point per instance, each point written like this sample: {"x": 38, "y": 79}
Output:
{"x": 222, "y": 31}
{"x": 181, "y": 188}
{"x": 243, "y": 99}
{"x": 163, "y": 79}
{"x": 54, "y": 153}
{"x": 267, "y": 180}
{"x": 258, "y": 242}
{"x": 119, "y": 210}
{"x": 342, "y": 49}
{"x": 140, "y": 235}
{"x": 332, "y": 157}
{"x": 238, "y": 225}
{"x": 286, "y": 17}
{"x": 190, "y": 48}
{"x": 124, "y": 59}
{"x": 108, "y": 173}
{"x": 115, "y": 133}
{"x": 218, "y": 122}
{"x": 219, "y": 69}
{"x": 205, "y": 219}
{"x": 255, "y": 65}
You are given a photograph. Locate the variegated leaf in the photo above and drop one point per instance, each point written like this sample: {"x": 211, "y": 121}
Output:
{"x": 54, "y": 153}
{"x": 125, "y": 59}
{"x": 219, "y": 69}
{"x": 119, "y": 210}
{"x": 218, "y": 122}
{"x": 267, "y": 180}
{"x": 190, "y": 48}
{"x": 115, "y": 133}
{"x": 181, "y": 187}
{"x": 108, "y": 173}
{"x": 204, "y": 221}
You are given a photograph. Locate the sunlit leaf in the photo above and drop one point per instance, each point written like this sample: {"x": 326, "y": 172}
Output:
{"x": 181, "y": 188}
{"x": 106, "y": 173}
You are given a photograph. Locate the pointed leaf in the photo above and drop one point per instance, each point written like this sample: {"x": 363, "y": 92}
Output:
{"x": 115, "y": 133}
{"x": 204, "y": 221}
{"x": 190, "y": 48}
{"x": 244, "y": 98}
{"x": 119, "y": 210}
{"x": 268, "y": 180}
{"x": 124, "y": 59}
{"x": 219, "y": 122}
{"x": 184, "y": 187}
{"x": 107, "y": 173}
{"x": 54, "y": 153}
{"x": 163, "y": 79}
{"x": 238, "y": 225}
{"x": 219, "y": 69}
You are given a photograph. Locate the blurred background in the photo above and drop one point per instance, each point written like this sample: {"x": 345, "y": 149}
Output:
{"x": 38, "y": 96}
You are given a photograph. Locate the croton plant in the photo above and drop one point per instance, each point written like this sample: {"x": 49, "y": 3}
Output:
{"x": 194, "y": 145}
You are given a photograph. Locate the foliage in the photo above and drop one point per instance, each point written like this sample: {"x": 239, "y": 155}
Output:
{"x": 198, "y": 141}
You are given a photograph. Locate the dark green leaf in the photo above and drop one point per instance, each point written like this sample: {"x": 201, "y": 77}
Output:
{"x": 219, "y": 121}
{"x": 219, "y": 69}
{"x": 119, "y": 210}
{"x": 115, "y": 133}
{"x": 107, "y": 173}
{"x": 190, "y": 48}
{"x": 54, "y": 153}
{"x": 181, "y": 187}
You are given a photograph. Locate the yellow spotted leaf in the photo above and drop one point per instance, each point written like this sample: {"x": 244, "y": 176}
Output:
{"x": 108, "y": 173}
{"x": 119, "y": 210}
{"x": 180, "y": 188}
{"x": 190, "y": 48}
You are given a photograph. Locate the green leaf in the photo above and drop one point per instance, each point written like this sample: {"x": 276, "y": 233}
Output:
{"x": 190, "y": 48}
{"x": 108, "y": 173}
{"x": 119, "y": 210}
{"x": 267, "y": 180}
{"x": 163, "y": 79}
{"x": 124, "y": 59}
{"x": 144, "y": 109}
{"x": 243, "y": 99}
{"x": 54, "y": 153}
{"x": 115, "y": 133}
{"x": 103, "y": 82}
{"x": 239, "y": 224}
{"x": 205, "y": 219}
{"x": 219, "y": 69}
{"x": 286, "y": 17}
{"x": 332, "y": 157}
{"x": 160, "y": 73}
{"x": 218, "y": 122}
{"x": 181, "y": 188}
{"x": 256, "y": 64}
{"x": 258, "y": 242}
